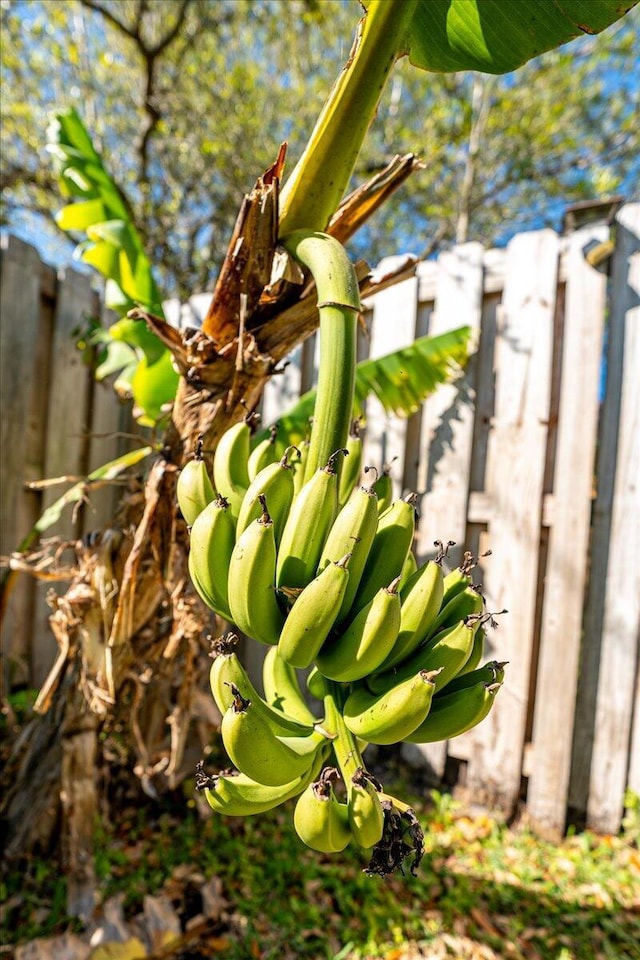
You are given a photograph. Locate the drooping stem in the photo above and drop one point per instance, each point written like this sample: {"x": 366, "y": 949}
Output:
{"x": 345, "y": 745}
{"x": 321, "y": 176}
{"x": 338, "y": 306}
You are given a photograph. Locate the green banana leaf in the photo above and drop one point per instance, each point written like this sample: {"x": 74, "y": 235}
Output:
{"x": 496, "y": 36}
{"x": 401, "y": 381}
{"x": 113, "y": 246}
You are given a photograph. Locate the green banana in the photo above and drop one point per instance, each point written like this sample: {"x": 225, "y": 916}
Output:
{"x": 420, "y": 599}
{"x": 350, "y": 473}
{"x": 491, "y": 672}
{"x": 260, "y": 753}
{"x": 366, "y": 816}
{"x": 389, "y": 550}
{"x": 231, "y": 464}
{"x": 454, "y": 713}
{"x": 275, "y": 482}
{"x": 252, "y": 596}
{"x": 194, "y": 489}
{"x": 447, "y": 652}
{"x": 409, "y": 568}
{"x": 383, "y": 486}
{"x": 236, "y": 795}
{"x": 228, "y": 677}
{"x": 320, "y": 819}
{"x": 299, "y": 468}
{"x": 313, "y": 615}
{"x": 310, "y": 519}
{"x": 365, "y": 643}
{"x": 456, "y": 580}
{"x": 315, "y": 683}
{"x": 353, "y": 530}
{"x": 477, "y": 652}
{"x": 212, "y": 542}
{"x": 282, "y": 689}
{"x": 466, "y": 603}
{"x": 390, "y": 716}
{"x": 263, "y": 453}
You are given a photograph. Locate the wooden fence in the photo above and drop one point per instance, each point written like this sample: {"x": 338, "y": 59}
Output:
{"x": 533, "y": 453}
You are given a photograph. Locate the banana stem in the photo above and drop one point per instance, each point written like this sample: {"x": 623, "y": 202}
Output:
{"x": 338, "y": 307}
{"x": 345, "y": 746}
{"x": 321, "y": 176}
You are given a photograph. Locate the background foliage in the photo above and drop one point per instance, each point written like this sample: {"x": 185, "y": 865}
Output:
{"x": 187, "y": 102}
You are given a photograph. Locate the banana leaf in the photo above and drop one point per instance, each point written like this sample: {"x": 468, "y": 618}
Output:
{"x": 113, "y": 246}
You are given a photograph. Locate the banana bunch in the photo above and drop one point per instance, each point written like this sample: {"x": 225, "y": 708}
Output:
{"x": 302, "y": 558}
{"x": 327, "y": 580}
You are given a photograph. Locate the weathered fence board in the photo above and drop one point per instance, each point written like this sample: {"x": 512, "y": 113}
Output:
{"x": 504, "y": 458}
{"x": 618, "y": 572}
{"x": 393, "y": 326}
{"x": 24, "y": 325}
{"x": 515, "y": 466}
{"x": 567, "y": 554}
{"x": 447, "y": 429}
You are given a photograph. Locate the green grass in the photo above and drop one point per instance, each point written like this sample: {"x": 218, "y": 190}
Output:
{"x": 503, "y": 890}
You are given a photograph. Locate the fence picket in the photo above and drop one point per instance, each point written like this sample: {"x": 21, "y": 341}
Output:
{"x": 565, "y": 578}
{"x": 447, "y": 430}
{"x": 23, "y": 328}
{"x": 393, "y": 326}
{"x": 515, "y": 464}
{"x": 619, "y": 578}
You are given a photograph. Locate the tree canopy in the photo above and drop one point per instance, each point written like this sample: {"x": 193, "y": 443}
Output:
{"x": 187, "y": 102}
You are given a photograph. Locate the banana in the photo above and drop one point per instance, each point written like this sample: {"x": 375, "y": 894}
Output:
{"x": 299, "y": 467}
{"x": 491, "y": 672}
{"x": 260, "y": 753}
{"x": 231, "y": 463}
{"x": 313, "y": 615}
{"x": 320, "y": 819}
{"x": 315, "y": 684}
{"x": 228, "y": 678}
{"x": 310, "y": 519}
{"x": 389, "y": 550}
{"x": 454, "y": 713}
{"x": 275, "y": 482}
{"x": 236, "y": 795}
{"x": 390, "y": 716}
{"x": 366, "y": 816}
{"x": 263, "y": 453}
{"x": 365, "y": 643}
{"x": 409, "y": 568}
{"x": 282, "y": 689}
{"x": 352, "y": 465}
{"x": 194, "y": 489}
{"x": 420, "y": 599}
{"x": 353, "y": 530}
{"x": 212, "y": 542}
{"x": 447, "y": 652}
{"x": 467, "y": 603}
{"x": 456, "y": 580}
{"x": 477, "y": 652}
{"x": 384, "y": 487}
{"x": 252, "y": 597}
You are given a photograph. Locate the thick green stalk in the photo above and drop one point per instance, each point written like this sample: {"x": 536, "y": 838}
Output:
{"x": 345, "y": 745}
{"x": 319, "y": 181}
{"x": 338, "y": 306}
